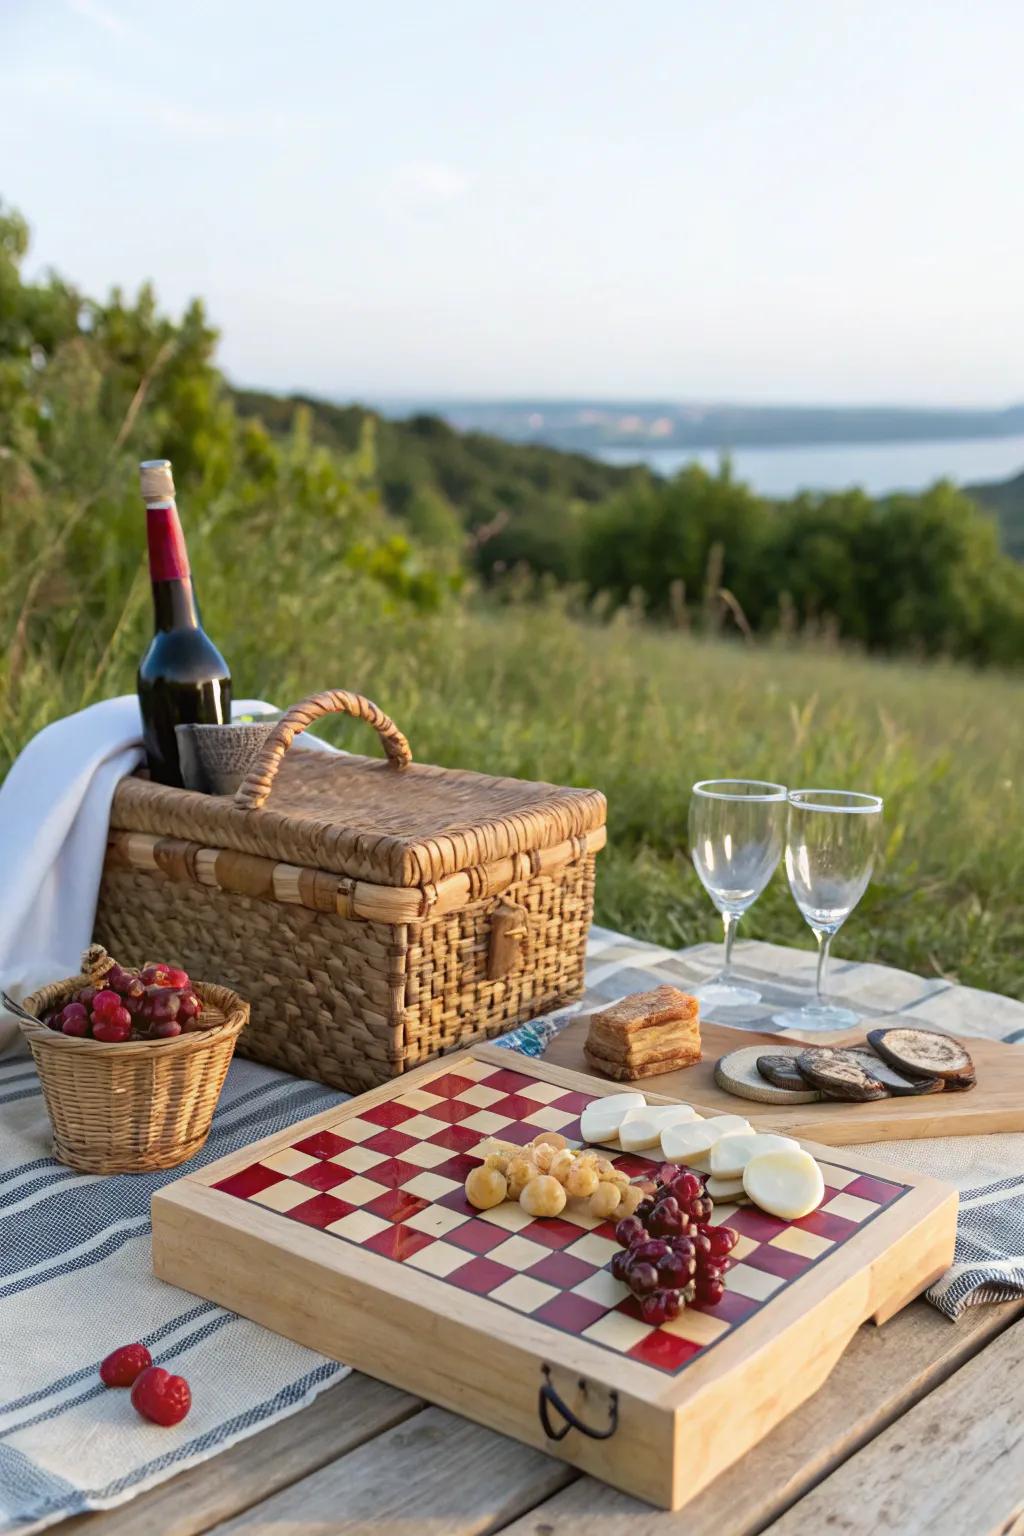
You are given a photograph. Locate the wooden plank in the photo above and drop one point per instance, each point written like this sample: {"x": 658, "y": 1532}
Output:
{"x": 340, "y": 1419}
{"x": 996, "y": 1104}
{"x": 678, "y": 1429}
{"x": 952, "y": 1466}
{"x": 435, "y": 1472}
{"x": 883, "y": 1373}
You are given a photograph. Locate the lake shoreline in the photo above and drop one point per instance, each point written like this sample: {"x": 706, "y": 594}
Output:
{"x": 877, "y": 468}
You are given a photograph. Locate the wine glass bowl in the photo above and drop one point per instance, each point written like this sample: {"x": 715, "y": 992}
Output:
{"x": 831, "y": 843}
{"x": 736, "y": 832}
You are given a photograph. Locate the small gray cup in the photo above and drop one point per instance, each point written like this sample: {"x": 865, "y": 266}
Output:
{"x": 216, "y": 758}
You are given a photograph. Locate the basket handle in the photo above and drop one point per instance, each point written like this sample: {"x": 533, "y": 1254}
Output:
{"x": 255, "y": 787}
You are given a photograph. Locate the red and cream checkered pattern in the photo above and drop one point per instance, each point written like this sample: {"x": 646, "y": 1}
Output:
{"x": 390, "y": 1180}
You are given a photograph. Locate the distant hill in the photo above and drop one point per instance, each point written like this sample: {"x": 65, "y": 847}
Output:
{"x": 446, "y": 483}
{"x": 1006, "y": 500}
{"x": 586, "y": 426}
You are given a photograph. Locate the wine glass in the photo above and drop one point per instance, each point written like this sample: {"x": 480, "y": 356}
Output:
{"x": 736, "y": 828}
{"x": 831, "y": 840}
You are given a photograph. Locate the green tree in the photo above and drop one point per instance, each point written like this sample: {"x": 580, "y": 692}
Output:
{"x": 658, "y": 534}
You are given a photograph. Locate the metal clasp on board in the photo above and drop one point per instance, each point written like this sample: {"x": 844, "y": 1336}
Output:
{"x": 550, "y": 1397}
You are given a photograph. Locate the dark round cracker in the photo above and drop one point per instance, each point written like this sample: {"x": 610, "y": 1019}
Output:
{"x": 898, "y": 1083}
{"x": 839, "y": 1075}
{"x": 921, "y": 1052}
{"x": 781, "y": 1071}
{"x": 960, "y": 1083}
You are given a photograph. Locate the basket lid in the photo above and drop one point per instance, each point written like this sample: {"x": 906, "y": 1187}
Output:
{"x": 363, "y": 817}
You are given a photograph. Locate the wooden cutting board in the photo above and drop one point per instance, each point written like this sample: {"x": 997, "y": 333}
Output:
{"x": 996, "y": 1104}
{"x": 351, "y": 1234}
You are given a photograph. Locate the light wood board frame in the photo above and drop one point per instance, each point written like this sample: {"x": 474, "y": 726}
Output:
{"x": 675, "y": 1433}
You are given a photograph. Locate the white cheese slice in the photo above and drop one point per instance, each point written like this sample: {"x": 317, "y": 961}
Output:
{"x": 731, "y": 1154}
{"x": 692, "y": 1139}
{"x": 600, "y": 1120}
{"x": 642, "y": 1128}
{"x": 724, "y": 1125}
{"x": 725, "y": 1189}
{"x": 786, "y": 1183}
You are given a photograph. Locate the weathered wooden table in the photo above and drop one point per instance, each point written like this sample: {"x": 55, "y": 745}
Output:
{"x": 920, "y": 1429}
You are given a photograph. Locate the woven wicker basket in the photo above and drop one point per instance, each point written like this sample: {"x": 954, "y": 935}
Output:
{"x": 376, "y": 913}
{"x": 138, "y": 1106}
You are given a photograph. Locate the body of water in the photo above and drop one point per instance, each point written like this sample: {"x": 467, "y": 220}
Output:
{"x": 876, "y": 467}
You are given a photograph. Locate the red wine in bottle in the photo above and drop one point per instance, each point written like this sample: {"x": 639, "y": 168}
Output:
{"x": 183, "y": 678}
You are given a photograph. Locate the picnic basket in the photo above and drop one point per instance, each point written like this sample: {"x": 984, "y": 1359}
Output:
{"x": 136, "y": 1106}
{"x": 376, "y": 912}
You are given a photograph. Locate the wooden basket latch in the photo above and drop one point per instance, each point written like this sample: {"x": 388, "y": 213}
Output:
{"x": 508, "y": 930}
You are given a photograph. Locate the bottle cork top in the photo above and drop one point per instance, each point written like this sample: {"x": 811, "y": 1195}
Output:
{"x": 156, "y": 480}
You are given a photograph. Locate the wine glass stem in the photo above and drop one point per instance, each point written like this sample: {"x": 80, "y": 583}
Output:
{"x": 730, "y": 922}
{"x": 824, "y": 941}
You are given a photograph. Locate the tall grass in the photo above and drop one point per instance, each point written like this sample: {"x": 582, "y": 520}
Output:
{"x": 642, "y": 714}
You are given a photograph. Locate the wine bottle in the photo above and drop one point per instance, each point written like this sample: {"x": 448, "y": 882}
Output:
{"x": 183, "y": 678}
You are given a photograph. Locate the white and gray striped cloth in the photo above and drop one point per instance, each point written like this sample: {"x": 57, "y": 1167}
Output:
{"x": 75, "y": 1275}
{"x": 75, "y": 1282}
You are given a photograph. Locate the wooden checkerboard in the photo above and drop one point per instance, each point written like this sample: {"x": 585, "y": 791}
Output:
{"x": 352, "y": 1234}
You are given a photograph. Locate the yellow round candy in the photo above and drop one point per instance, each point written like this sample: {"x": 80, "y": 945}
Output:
{"x": 582, "y": 1181}
{"x": 485, "y": 1187}
{"x": 629, "y": 1199}
{"x": 604, "y": 1200}
{"x": 520, "y": 1171}
{"x": 543, "y": 1196}
{"x": 550, "y": 1139}
{"x": 561, "y": 1165}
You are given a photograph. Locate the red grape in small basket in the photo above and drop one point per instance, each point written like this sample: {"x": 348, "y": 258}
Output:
{"x": 159, "y": 974}
{"x": 157, "y": 1003}
{"x": 112, "y": 1031}
{"x": 190, "y": 1010}
{"x": 161, "y": 1003}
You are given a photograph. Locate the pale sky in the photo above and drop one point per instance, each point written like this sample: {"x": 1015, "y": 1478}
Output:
{"x": 759, "y": 200}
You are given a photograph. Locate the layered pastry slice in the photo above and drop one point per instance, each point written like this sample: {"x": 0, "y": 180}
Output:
{"x": 645, "y": 1034}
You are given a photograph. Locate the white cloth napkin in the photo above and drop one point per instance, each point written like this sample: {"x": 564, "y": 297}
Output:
{"x": 54, "y": 814}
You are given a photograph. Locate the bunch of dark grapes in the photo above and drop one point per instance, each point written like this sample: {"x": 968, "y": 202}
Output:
{"x": 670, "y": 1254}
{"x": 155, "y": 1003}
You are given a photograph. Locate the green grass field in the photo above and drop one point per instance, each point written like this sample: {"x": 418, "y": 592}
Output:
{"x": 641, "y": 714}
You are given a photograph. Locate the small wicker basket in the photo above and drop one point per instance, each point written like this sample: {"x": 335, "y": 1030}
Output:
{"x": 134, "y": 1107}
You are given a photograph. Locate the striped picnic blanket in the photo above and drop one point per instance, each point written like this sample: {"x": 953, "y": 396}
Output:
{"x": 75, "y": 1282}
{"x": 74, "y": 1249}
